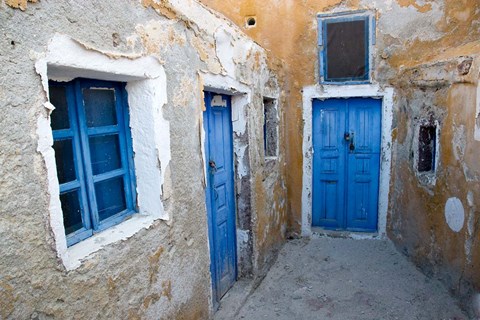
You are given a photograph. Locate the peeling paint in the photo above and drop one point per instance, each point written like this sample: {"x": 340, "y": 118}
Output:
{"x": 19, "y": 4}
{"x": 421, "y": 8}
{"x": 66, "y": 59}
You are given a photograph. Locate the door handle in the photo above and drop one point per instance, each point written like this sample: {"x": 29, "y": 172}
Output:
{"x": 212, "y": 165}
{"x": 352, "y": 143}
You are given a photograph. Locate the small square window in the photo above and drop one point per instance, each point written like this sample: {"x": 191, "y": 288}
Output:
{"x": 93, "y": 154}
{"x": 344, "y": 47}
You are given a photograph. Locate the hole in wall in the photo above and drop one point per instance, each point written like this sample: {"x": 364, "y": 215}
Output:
{"x": 251, "y": 21}
{"x": 427, "y": 139}
{"x": 115, "y": 39}
{"x": 270, "y": 127}
{"x": 12, "y": 43}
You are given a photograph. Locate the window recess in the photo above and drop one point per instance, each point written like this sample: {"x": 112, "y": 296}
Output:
{"x": 427, "y": 141}
{"x": 270, "y": 128}
{"x": 93, "y": 154}
{"x": 345, "y": 43}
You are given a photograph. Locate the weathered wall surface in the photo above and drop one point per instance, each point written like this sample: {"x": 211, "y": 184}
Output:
{"x": 434, "y": 216}
{"x": 423, "y": 51}
{"x": 161, "y": 272}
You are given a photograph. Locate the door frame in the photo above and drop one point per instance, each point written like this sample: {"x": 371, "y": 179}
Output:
{"x": 241, "y": 97}
{"x": 348, "y": 91}
{"x": 209, "y": 200}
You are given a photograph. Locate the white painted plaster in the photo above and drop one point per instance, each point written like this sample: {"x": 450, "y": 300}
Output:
{"x": 477, "y": 114}
{"x": 454, "y": 214}
{"x": 459, "y": 141}
{"x": 218, "y": 101}
{"x": 146, "y": 86}
{"x": 239, "y": 150}
{"x": 225, "y": 50}
{"x": 44, "y": 147}
{"x": 470, "y": 227}
{"x": 242, "y": 240}
{"x": 403, "y": 22}
{"x": 470, "y": 201}
{"x": 151, "y": 142}
{"x": 349, "y": 91}
{"x": 242, "y": 45}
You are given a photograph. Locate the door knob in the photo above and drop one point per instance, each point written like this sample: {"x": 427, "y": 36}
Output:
{"x": 213, "y": 165}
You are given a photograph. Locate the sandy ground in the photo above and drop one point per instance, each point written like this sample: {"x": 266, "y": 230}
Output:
{"x": 331, "y": 278}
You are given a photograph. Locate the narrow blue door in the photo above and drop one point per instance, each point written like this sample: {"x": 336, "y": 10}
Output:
{"x": 346, "y": 163}
{"x": 220, "y": 197}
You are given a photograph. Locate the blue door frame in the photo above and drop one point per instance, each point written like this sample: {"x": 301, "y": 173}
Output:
{"x": 220, "y": 194}
{"x": 346, "y": 163}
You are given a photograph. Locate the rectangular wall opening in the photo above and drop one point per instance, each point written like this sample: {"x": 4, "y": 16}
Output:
{"x": 427, "y": 139}
{"x": 270, "y": 128}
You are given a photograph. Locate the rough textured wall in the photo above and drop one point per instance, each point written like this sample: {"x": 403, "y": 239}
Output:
{"x": 442, "y": 239}
{"x": 422, "y": 51}
{"x": 161, "y": 272}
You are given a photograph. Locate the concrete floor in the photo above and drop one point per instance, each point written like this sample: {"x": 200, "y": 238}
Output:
{"x": 332, "y": 278}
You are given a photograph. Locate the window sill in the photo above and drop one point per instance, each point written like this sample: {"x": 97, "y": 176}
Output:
{"x": 76, "y": 254}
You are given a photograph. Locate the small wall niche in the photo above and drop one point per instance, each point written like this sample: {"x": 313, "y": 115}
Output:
{"x": 270, "y": 128}
{"x": 477, "y": 113}
{"x": 250, "y": 21}
{"x": 426, "y": 151}
{"x": 427, "y": 141}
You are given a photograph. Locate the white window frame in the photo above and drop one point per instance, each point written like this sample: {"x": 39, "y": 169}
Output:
{"x": 66, "y": 59}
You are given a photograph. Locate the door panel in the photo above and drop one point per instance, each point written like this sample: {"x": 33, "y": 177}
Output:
{"x": 328, "y": 163}
{"x": 346, "y": 160}
{"x": 363, "y": 164}
{"x": 219, "y": 194}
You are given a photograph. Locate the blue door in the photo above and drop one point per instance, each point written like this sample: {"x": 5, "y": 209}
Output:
{"x": 220, "y": 199}
{"x": 346, "y": 163}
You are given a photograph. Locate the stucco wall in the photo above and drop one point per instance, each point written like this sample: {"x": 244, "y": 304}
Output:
{"x": 420, "y": 51}
{"x": 161, "y": 271}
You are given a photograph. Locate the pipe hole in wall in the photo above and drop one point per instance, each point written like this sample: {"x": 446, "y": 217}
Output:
{"x": 251, "y": 21}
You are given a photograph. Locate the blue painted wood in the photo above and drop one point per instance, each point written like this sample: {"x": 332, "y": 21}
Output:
{"x": 345, "y": 181}
{"x": 120, "y": 131}
{"x": 364, "y": 118}
{"x": 220, "y": 196}
{"x": 93, "y": 131}
{"x": 329, "y": 121}
{"x": 81, "y": 133}
{"x": 79, "y": 183}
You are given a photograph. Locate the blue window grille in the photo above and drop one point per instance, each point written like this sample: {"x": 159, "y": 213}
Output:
{"x": 93, "y": 154}
{"x": 344, "y": 45}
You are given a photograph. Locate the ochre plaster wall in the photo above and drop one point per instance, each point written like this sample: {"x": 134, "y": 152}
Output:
{"x": 420, "y": 51}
